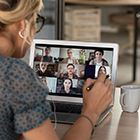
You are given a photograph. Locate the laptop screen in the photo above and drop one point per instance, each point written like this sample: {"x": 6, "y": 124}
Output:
{"x": 63, "y": 66}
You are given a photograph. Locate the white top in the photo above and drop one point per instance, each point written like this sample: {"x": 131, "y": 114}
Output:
{"x": 99, "y": 64}
{"x": 70, "y": 61}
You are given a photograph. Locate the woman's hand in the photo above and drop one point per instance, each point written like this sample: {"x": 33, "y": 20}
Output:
{"x": 98, "y": 98}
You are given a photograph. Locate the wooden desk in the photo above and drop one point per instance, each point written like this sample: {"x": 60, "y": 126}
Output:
{"x": 134, "y": 4}
{"x": 118, "y": 125}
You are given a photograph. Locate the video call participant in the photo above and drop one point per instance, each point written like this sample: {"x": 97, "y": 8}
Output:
{"x": 70, "y": 58}
{"x": 70, "y": 72}
{"x": 43, "y": 71}
{"x": 102, "y": 69}
{"x": 67, "y": 86}
{"x": 43, "y": 79}
{"x": 47, "y": 57}
{"x": 98, "y": 60}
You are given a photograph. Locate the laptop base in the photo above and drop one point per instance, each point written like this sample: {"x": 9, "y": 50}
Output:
{"x": 71, "y": 118}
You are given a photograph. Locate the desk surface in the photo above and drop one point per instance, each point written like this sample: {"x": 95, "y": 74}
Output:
{"x": 118, "y": 125}
{"x": 104, "y": 2}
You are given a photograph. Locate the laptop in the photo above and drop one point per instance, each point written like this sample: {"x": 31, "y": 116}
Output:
{"x": 64, "y": 78}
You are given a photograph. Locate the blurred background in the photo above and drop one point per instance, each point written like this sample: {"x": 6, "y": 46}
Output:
{"x": 70, "y": 21}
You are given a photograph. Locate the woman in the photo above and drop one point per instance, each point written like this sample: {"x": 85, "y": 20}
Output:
{"x": 43, "y": 79}
{"x": 98, "y": 60}
{"x": 47, "y": 57}
{"x": 102, "y": 69}
{"x": 67, "y": 86}
{"x": 23, "y": 107}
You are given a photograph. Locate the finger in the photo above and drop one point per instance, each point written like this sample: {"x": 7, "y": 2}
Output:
{"x": 108, "y": 98}
{"x": 88, "y": 82}
{"x": 109, "y": 91}
{"x": 107, "y": 102}
{"x": 101, "y": 77}
{"x": 107, "y": 81}
{"x": 111, "y": 87}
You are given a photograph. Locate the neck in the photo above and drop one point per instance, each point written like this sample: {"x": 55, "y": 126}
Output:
{"x": 6, "y": 46}
{"x": 98, "y": 61}
{"x": 70, "y": 58}
{"x": 70, "y": 75}
{"x": 67, "y": 90}
{"x": 43, "y": 71}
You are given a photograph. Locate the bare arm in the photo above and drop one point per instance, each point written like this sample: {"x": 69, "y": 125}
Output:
{"x": 97, "y": 100}
{"x": 43, "y": 132}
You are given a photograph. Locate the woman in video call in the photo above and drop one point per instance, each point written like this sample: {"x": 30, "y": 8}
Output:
{"x": 70, "y": 58}
{"x": 43, "y": 70}
{"x": 102, "y": 69}
{"x": 43, "y": 79}
{"x": 23, "y": 105}
{"x": 67, "y": 86}
{"x": 98, "y": 60}
{"x": 47, "y": 57}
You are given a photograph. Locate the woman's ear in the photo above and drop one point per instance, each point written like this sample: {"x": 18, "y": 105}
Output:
{"x": 23, "y": 24}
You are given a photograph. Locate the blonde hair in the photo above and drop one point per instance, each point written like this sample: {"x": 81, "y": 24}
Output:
{"x": 12, "y": 11}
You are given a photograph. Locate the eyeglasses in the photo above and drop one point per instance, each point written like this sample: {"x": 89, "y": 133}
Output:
{"x": 70, "y": 68}
{"x": 40, "y": 22}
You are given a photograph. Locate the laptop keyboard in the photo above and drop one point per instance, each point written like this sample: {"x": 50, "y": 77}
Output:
{"x": 66, "y": 107}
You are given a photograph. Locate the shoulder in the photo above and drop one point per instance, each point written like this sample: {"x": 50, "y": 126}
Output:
{"x": 24, "y": 93}
{"x": 75, "y": 61}
{"x": 18, "y": 75}
{"x": 74, "y": 58}
{"x": 22, "y": 83}
{"x": 61, "y": 91}
{"x": 47, "y": 58}
{"x": 92, "y": 62}
{"x": 65, "y": 74}
{"x": 11, "y": 64}
{"x": 48, "y": 71}
{"x": 20, "y": 67}
{"x": 50, "y": 57}
{"x": 104, "y": 62}
{"x": 38, "y": 71}
{"x": 75, "y": 76}
{"x": 65, "y": 60}
{"x": 44, "y": 56}
{"x": 72, "y": 92}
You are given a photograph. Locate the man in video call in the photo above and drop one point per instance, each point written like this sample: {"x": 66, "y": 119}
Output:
{"x": 43, "y": 71}
{"x": 70, "y": 72}
{"x": 70, "y": 58}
